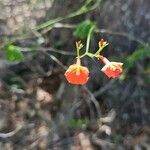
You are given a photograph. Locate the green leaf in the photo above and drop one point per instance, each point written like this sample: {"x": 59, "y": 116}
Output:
{"x": 139, "y": 53}
{"x": 83, "y": 29}
{"x": 77, "y": 123}
{"x": 13, "y": 53}
{"x": 117, "y": 138}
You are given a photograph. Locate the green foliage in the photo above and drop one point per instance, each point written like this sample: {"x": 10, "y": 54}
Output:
{"x": 77, "y": 123}
{"x": 83, "y": 29}
{"x": 146, "y": 75}
{"x": 117, "y": 138}
{"x": 140, "y": 53}
{"x": 147, "y": 79}
{"x": 13, "y": 53}
{"x": 15, "y": 82}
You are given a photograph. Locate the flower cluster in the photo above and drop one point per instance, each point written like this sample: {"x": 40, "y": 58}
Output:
{"x": 78, "y": 74}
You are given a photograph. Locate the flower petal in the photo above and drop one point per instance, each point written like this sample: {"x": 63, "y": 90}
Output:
{"x": 76, "y": 74}
{"x": 112, "y": 69}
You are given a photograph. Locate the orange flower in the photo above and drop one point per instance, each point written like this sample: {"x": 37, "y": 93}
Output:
{"x": 102, "y": 43}
{"x": 77, "y": 74}
{"x": 111, "y": 69}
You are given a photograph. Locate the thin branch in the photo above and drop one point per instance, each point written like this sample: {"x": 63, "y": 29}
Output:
{"x": 56, "y": 60}
{"x": 107, "y": 31}
{"x": 133, "y": 38}
{"x": 82, "y": 10}
{"x": 50, "y": 49}
{"x": 102, "y": 143}
{"x": 104, "y": 88}
{"x": 10, "y": 134}
{"x": 92, "y": 98}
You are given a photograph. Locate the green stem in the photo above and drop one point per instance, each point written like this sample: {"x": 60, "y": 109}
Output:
{"x": 83, "y": 55}
{"x": 87, "y": 45}
{"x": 78, "y": 53}
{"x": 100, "y": 49}
{"x": 91, "y": 55}
{"x": 84, "y": 9}
{"x": 88, "y": 39}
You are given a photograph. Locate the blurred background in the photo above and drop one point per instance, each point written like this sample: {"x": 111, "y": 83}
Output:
{"x": 39, "y": 110}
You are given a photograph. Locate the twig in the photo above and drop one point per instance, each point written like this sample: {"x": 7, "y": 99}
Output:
{"x": 104, "y": 88}
{"x": 92, "y": 98}
{"x": 97, "y": 30}
{"x": 133, "y": 38}
{"x": 102, "y": 143}
{"x": 56, "y": 60}
{"x": 10, "y": 134}
{"x": 47, "y": 50}
{"x": 82, "y": 10}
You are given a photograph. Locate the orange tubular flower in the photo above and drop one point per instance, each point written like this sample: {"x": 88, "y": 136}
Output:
{"x": 102, "y": 43}
{"x": 77, "y": 74}
{"x": 111, "y": 69}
